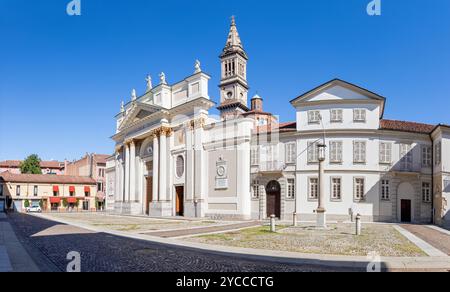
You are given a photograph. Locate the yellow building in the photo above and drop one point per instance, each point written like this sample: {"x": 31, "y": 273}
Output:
{"x": 51, "y": 192}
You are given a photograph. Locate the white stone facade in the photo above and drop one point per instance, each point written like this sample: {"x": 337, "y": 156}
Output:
{"x": 173, "y": 158}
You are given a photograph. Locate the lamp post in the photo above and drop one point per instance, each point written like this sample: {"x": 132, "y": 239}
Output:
{"x": 321, "y": 215}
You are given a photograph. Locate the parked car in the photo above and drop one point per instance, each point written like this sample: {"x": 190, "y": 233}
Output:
{"x": 34, "y": 209}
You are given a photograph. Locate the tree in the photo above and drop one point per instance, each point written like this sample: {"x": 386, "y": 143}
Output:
{"x": 31, "y": 165}
{"x": 27, "y": 203}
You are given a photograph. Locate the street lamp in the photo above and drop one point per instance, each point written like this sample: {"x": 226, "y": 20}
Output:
{"x": 321, "y": 216}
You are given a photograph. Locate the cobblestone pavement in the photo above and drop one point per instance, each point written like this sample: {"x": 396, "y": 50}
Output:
{"x": 102, "y": 252}
{"x": 202, "y": 230}
{"x": 435, "y": 238}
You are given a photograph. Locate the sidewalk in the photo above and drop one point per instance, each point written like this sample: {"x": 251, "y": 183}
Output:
{"x": 13, "y": 256}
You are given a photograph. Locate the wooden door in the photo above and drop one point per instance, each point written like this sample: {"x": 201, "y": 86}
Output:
{"x": 149, "y": 194}
{"x": 179, "y": 209}
{"x": 274, "y": 204}
{"x": 406, "y": 210}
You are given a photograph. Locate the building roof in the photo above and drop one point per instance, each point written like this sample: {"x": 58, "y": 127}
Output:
{"x": 234, "y": 43}
{"x": 281, "y": 128}
{"x": 45, "y": 178}
{"x": 101, "y": 158}
{"x": 43, "y": 164}
{"x": 404, "y": 126}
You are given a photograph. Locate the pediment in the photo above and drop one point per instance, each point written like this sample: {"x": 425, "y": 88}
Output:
{"x": 138, "y": 111}
{"x": 337, "y": 90}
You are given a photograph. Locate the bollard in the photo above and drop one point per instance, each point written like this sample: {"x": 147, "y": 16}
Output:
{"x": 272, "y": 223}
{"x": 294, "y": 219}
{"x": 358, "y": 224}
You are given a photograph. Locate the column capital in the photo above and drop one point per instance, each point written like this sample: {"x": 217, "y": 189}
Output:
{"x": 197, "y": 123}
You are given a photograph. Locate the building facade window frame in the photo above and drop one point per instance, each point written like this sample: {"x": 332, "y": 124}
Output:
{"x": 313, "y": 117}
{"x": 438, "y": 153}
{"x": 336, "y": 189}
{"x": 385, "y": 189}
{"x": 336, "y": 116}
{"x": 406, "y": 156}
{"x": 290, "y": 188}
{"x": 426, "y": 192}
{"x": 313, "y": 152}
{"x": 385, "y": 152}
{"x": 255, "y": 156}
{"x": 255, "y": 189}
{"x": 359, "y": 115}
{"x": 427, "y": 156}
{"x": 18, "y": 190}
{"x": 35, "y": 191}
{"x": 313, "y": 188}
{"x": 359, "y": 189}
{"x": 336, "y": 152}
{"x": 359, "y": 152}
{"x": 291, "y": 152}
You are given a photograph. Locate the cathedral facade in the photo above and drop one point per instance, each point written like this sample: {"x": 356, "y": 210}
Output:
{"x": 172, "y": 158}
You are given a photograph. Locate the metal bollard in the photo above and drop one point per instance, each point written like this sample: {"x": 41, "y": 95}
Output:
{"x": 358, "y": 225}
{"x": 272, "y": 223}
{"x": 294, "y": 219}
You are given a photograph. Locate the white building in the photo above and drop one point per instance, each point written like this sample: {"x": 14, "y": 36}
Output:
{"x": 173, "y": 158}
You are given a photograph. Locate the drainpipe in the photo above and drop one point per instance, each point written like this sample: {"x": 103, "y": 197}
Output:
{"x": 433, "y": 211}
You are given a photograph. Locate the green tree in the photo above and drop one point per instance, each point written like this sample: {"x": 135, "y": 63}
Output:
{"x": 27, "y": 203}
{"x": 31, "y": 165}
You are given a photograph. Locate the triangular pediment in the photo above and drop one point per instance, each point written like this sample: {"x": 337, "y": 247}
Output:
{"x": 137, "y": 112}
{"x": 337, "y": 90}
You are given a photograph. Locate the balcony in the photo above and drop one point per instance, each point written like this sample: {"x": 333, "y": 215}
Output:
{"x": 271, "y": 166}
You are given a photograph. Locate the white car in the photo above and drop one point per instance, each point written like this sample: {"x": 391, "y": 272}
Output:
{"x": 34, "y": 209}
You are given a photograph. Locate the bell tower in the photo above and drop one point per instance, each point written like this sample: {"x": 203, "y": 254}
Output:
{"x": 233, "y": 83}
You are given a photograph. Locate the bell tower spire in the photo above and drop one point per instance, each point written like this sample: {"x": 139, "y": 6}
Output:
{"x": 233, "y": 83}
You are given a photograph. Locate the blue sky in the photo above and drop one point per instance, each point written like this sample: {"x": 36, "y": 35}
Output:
{"x": 62, "y": 78}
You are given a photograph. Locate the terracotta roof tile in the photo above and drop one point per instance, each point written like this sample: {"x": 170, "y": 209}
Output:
{"x": 406, "y": 126}
{"x": 44, "y": 164}
{"x": 45, "y": 178}
{"x": 281, "y": 127}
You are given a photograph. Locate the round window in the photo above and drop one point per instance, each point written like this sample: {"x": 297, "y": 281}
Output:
{"x": 180, "y": 166}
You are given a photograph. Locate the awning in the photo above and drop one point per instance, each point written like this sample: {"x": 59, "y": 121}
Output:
{"x": 71, "y": 200}
{"x": 55, "y": 188}
{"x": 55, "y": 200}
{"x": 71, "y": 189}
{"x": 87, "y": 189}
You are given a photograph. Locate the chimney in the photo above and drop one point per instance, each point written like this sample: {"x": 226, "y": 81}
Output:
{"x": 257, "y": 103}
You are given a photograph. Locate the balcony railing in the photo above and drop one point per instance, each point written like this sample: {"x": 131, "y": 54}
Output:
{"x": 272, "y": 166}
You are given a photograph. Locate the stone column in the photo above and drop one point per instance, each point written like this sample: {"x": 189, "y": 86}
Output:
{"x": 117, "y": 177}
{"x": 132, "y": 194}
{"x": 321, "y": 216}
{"x": 199, "y": 157}
{"x": 163, "y": 166}
{"x": 155, "y": 167}
{"x": 127, "y": 172}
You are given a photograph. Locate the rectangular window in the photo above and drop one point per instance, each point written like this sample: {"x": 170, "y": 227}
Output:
{"x": 438, "y": 153}
{"x": 18, "y": 191}
{"x": 406, "y": 156}
{"x": 426, "y": 156}
{"x": 359, "y": 152}
{"x": 336, "y": 189}
{"x": 100, "y": 187}
{"x": 290, "y": 153}
{"x": 385, "y": 189}
{"x": 426, "y": 192}
{"x": 313, "y": 117}
{"x": 313, "y": 152}
{"x": 359, "y": 189}
{"x": 359, "y": 115}
{"x": 255, "y": 189}
{"x": 254, "y": 156}
{"x": 313, "y": 188}
{"x": 290, "y": 188}
{"x": 35, "y": 191}
{"x": 335, "y": 151}
{"x": 1, "y": 190}
{"x": 336, "y": 116}
{"x": 385, "y": 152}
